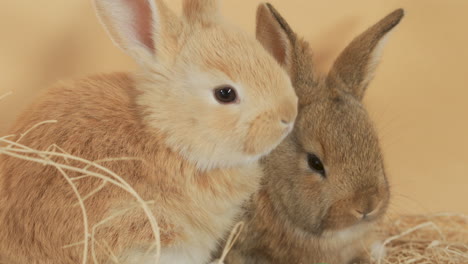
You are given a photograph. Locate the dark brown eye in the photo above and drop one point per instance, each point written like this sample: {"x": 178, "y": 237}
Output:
{"x": 225, "y": 94}
{"x": 315, "y": 164}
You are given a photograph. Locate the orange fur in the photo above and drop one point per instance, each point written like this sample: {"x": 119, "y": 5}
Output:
{"x": 194, "y": 158}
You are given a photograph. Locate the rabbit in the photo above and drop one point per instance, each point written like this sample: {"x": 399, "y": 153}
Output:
{"x": 205, "y": 104}
{"x": 324, "y": 188}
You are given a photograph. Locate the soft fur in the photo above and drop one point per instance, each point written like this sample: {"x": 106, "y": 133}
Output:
{"x": 298, "y": 216}
{"x": 194, "y": 158}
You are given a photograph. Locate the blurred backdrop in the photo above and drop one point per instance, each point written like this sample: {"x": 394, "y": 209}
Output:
{"x": 418, "y": 99}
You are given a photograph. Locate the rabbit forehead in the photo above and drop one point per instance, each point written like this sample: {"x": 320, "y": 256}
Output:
{"x": 222, "y": 48}
{"x": 342, "y": 131}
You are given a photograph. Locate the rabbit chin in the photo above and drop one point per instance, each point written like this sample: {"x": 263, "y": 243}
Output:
{"x": 349, "y": 233}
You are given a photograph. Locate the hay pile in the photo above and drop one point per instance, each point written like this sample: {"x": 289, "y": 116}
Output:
{"x": 415, "y": 239}
{"x": 10, "y": 145}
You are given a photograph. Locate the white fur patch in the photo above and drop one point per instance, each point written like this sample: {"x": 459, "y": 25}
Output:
{"x": 183, "y": 254}
{"x": 347, "y": 234}
{"x": 377, "y": 250}
{"x": 375, "y": 58}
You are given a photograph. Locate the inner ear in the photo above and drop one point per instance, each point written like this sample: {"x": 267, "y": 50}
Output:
{"x": 355, "y": 66}
{"x": 144, "y": 23}
{"x": 130, "y": 23}
{"x": 275, "y": 35}
{"x": 144, "y": 29}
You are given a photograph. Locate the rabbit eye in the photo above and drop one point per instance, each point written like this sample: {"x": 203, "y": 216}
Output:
{"x": 225, "y": 94}
{"x": 315, "y": 164}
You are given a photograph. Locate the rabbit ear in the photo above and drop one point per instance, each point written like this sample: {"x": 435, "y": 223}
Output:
{"x": 138, "y": 27}
{"x": 203, "y": 12}
{"x": 355, "y": 66}
{"x": 275, "y": 35}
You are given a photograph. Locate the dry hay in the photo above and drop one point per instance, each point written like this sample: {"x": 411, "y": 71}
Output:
{"x": 429, "y": 239}
{"x": 56, "y": 157}
{"x": 412, "y": 239}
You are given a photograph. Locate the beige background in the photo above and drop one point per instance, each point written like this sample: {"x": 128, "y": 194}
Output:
{"x": 419, "y": 98}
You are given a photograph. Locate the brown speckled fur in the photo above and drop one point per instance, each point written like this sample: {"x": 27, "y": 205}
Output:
{"x": 299, "y": 216}
{"x": 188, "y": 151}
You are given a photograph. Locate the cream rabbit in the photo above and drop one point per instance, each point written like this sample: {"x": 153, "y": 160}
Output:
{"x": 206, "y": 103}
{"x": 324, "y": 186}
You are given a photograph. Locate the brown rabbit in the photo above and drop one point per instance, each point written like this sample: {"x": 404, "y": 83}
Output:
{"x": 206, "y": 103}
{"x": 324, "y": 186}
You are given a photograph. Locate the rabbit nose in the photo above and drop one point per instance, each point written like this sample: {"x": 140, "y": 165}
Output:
{"x": 288, "y": 126}
{"x": 368, "y": 211}
{"x": 287, "y": 112}
{"x": 288, "y": 121}
{"x": 360, "y": 213}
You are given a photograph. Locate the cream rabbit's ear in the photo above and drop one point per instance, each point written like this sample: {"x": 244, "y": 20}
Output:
{"x": 203, "y": 12}
{"x": 142, "y": 28}
{"x": 355, "y": 66}
{"x": 275, "y": 35}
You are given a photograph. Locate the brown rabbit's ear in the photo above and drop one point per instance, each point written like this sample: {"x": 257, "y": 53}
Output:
{"x": 275, "y": 35}
{"x": 355, "y": 66}
{"x": 203, "y": 12}
{"x": 139, "y": 27}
